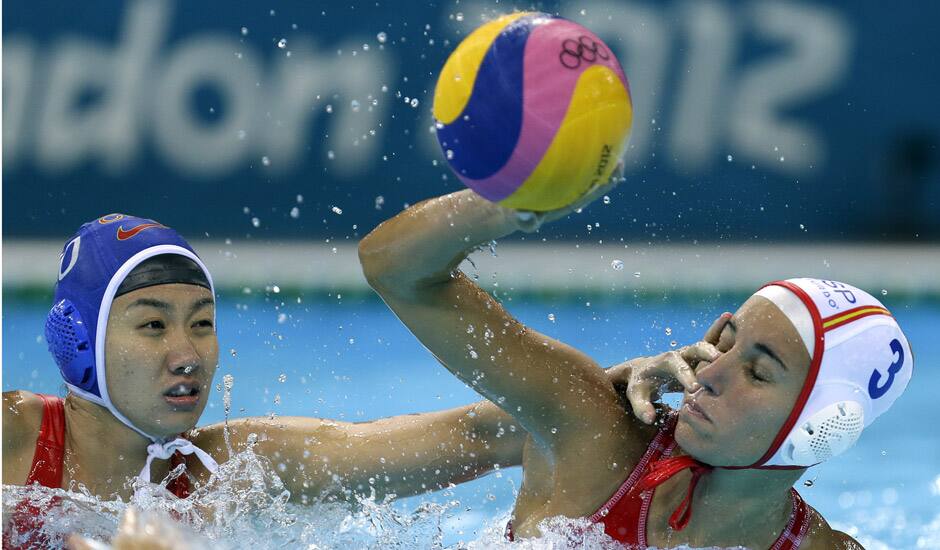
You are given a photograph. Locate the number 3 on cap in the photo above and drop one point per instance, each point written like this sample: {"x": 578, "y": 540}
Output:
{"x": 876, "y": 391}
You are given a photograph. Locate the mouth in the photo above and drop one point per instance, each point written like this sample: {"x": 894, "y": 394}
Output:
{"x": 694, "y": 410}
{"x": 183, "y": 396}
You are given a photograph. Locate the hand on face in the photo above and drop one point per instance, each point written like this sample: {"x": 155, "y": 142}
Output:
{"x": 647, "y": 378}
{"x": 748, "y": 391}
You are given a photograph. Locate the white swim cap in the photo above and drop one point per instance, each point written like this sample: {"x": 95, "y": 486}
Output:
{"x": 861, "y": 363}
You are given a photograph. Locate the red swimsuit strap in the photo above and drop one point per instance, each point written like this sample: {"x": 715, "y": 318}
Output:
{"x": 50, "y": 445}
{"x": 49, "y": 457}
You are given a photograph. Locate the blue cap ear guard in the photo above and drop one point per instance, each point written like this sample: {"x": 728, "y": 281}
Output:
{"x": 68, "y": 341}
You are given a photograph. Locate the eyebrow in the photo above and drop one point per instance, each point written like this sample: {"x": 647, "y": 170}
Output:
{"x": 762, "y": 348}
{"x": 165, "y": 306}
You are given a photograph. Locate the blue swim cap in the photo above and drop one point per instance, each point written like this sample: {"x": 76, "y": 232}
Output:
{"x": 92, "y": 266}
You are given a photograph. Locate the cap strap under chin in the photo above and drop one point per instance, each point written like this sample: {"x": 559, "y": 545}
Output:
{"x": 164, "y": 451}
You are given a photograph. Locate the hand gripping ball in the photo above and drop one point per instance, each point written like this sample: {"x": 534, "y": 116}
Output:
{"x": 532, "y": 111}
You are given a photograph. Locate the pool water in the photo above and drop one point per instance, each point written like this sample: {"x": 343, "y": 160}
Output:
{"x": 349, "y": 358}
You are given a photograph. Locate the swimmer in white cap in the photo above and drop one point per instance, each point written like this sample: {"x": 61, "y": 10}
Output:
{"x": 788, "y": 381}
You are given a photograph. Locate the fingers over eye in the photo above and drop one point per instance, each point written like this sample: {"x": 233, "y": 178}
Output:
{"x": 714, "y": 332}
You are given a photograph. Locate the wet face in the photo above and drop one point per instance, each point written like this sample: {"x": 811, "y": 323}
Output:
{"x": 748, "y": 392}
{"x": 161, "y": 354}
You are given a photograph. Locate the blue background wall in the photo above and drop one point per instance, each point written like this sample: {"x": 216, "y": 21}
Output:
{"x": 755, "y": 120}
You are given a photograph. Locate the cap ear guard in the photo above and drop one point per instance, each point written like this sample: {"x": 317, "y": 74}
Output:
{"x": 827, "y": 433}
{"x": 68, "y": 341}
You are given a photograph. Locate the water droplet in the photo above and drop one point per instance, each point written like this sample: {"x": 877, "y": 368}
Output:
{"x": 244, "y": 31}
{"x": 884, "y": 291}
{"x": 469, "y": 329}
{"x": 617, "y": 265}
{"x": 606, "y": 199}
{"x": 337, "y": 210}
{"x": 329, "y": 108}
{"x": 730, "y": 158}
{"x": 551, "y": 317}
{"x": 295, "y": 212}
{"x": 673, "y": 344}
{"x": 668, "y": 331}
{"x": 355, "y": 105}
{"x": 265, "y": 161}
{"x": 300, "y": 199}
{"x": 636, "y": 274}
{"x": 234, "y": 352}
{"x": 381, "y": 37}
{"x": 281, "y": 318}
{"x": 282, "y": 378}
{"x": 449, "y": 154}
{"x": 256, "y": 222}
{"x": 414, "y": 102}
{"x": 459, "y": 16}
{"x": 379, "y": 201}
{"x": 554, "y": 430}
{"x": 330, "y": 154}
{"x": 809, "y": 482}
{"x": 282, "y": 43}
{"x": 242, "y": 134}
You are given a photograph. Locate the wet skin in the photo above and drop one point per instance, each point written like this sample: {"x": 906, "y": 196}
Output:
{"x": 748, "y": 392}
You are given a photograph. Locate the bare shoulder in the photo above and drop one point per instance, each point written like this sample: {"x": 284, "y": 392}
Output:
{"x": 820, "y": 535}
{"x": 22, "y": 417}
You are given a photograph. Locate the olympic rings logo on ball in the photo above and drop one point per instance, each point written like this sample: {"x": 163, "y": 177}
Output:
{"x": 584, "y": 48}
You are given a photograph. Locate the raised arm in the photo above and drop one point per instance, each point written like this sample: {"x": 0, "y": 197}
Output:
{"x": 402, "y": 455}
{"x": 556, "y": 392}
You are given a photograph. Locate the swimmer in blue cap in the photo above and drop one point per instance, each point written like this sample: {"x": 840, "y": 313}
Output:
{"x": 132, "y": 329}
{"x": 788, "y": 381}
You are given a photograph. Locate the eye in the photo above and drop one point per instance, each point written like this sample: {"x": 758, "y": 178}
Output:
{"x": 153, "y": 325}
{"x": 752, "y": 371}
{"x": 203, "y": 323}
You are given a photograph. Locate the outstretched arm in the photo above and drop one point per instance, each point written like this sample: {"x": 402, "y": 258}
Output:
{"x": 402, "y": 455}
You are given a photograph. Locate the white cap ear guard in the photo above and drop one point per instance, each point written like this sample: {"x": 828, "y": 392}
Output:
{"x": 861, "y": 363}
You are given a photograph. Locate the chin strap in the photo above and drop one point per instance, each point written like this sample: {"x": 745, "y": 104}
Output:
{"x": 164, "y": 451}
{"x": 662, "y": 470}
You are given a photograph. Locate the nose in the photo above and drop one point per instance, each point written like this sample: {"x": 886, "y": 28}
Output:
{"x": 712, "y": 375}
{"x": 182, "y": 359}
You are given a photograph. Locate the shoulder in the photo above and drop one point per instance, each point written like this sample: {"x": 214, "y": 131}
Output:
{"x": 22, "y": 417}
{"x": 820, "y": 535}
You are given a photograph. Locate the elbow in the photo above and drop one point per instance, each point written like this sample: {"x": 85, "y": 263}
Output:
{"x": 379, "y": 265}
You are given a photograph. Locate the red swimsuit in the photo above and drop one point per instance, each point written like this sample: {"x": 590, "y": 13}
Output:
{"x": 625, "y": 514}
{"x": 46, "y": 470}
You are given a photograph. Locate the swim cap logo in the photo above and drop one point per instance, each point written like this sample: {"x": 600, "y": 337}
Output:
{"x": 123, "y": 235}
{"x": 876, "y": 391}
{"x": 110, "y": 218}
{"x": 69, "y": 256}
